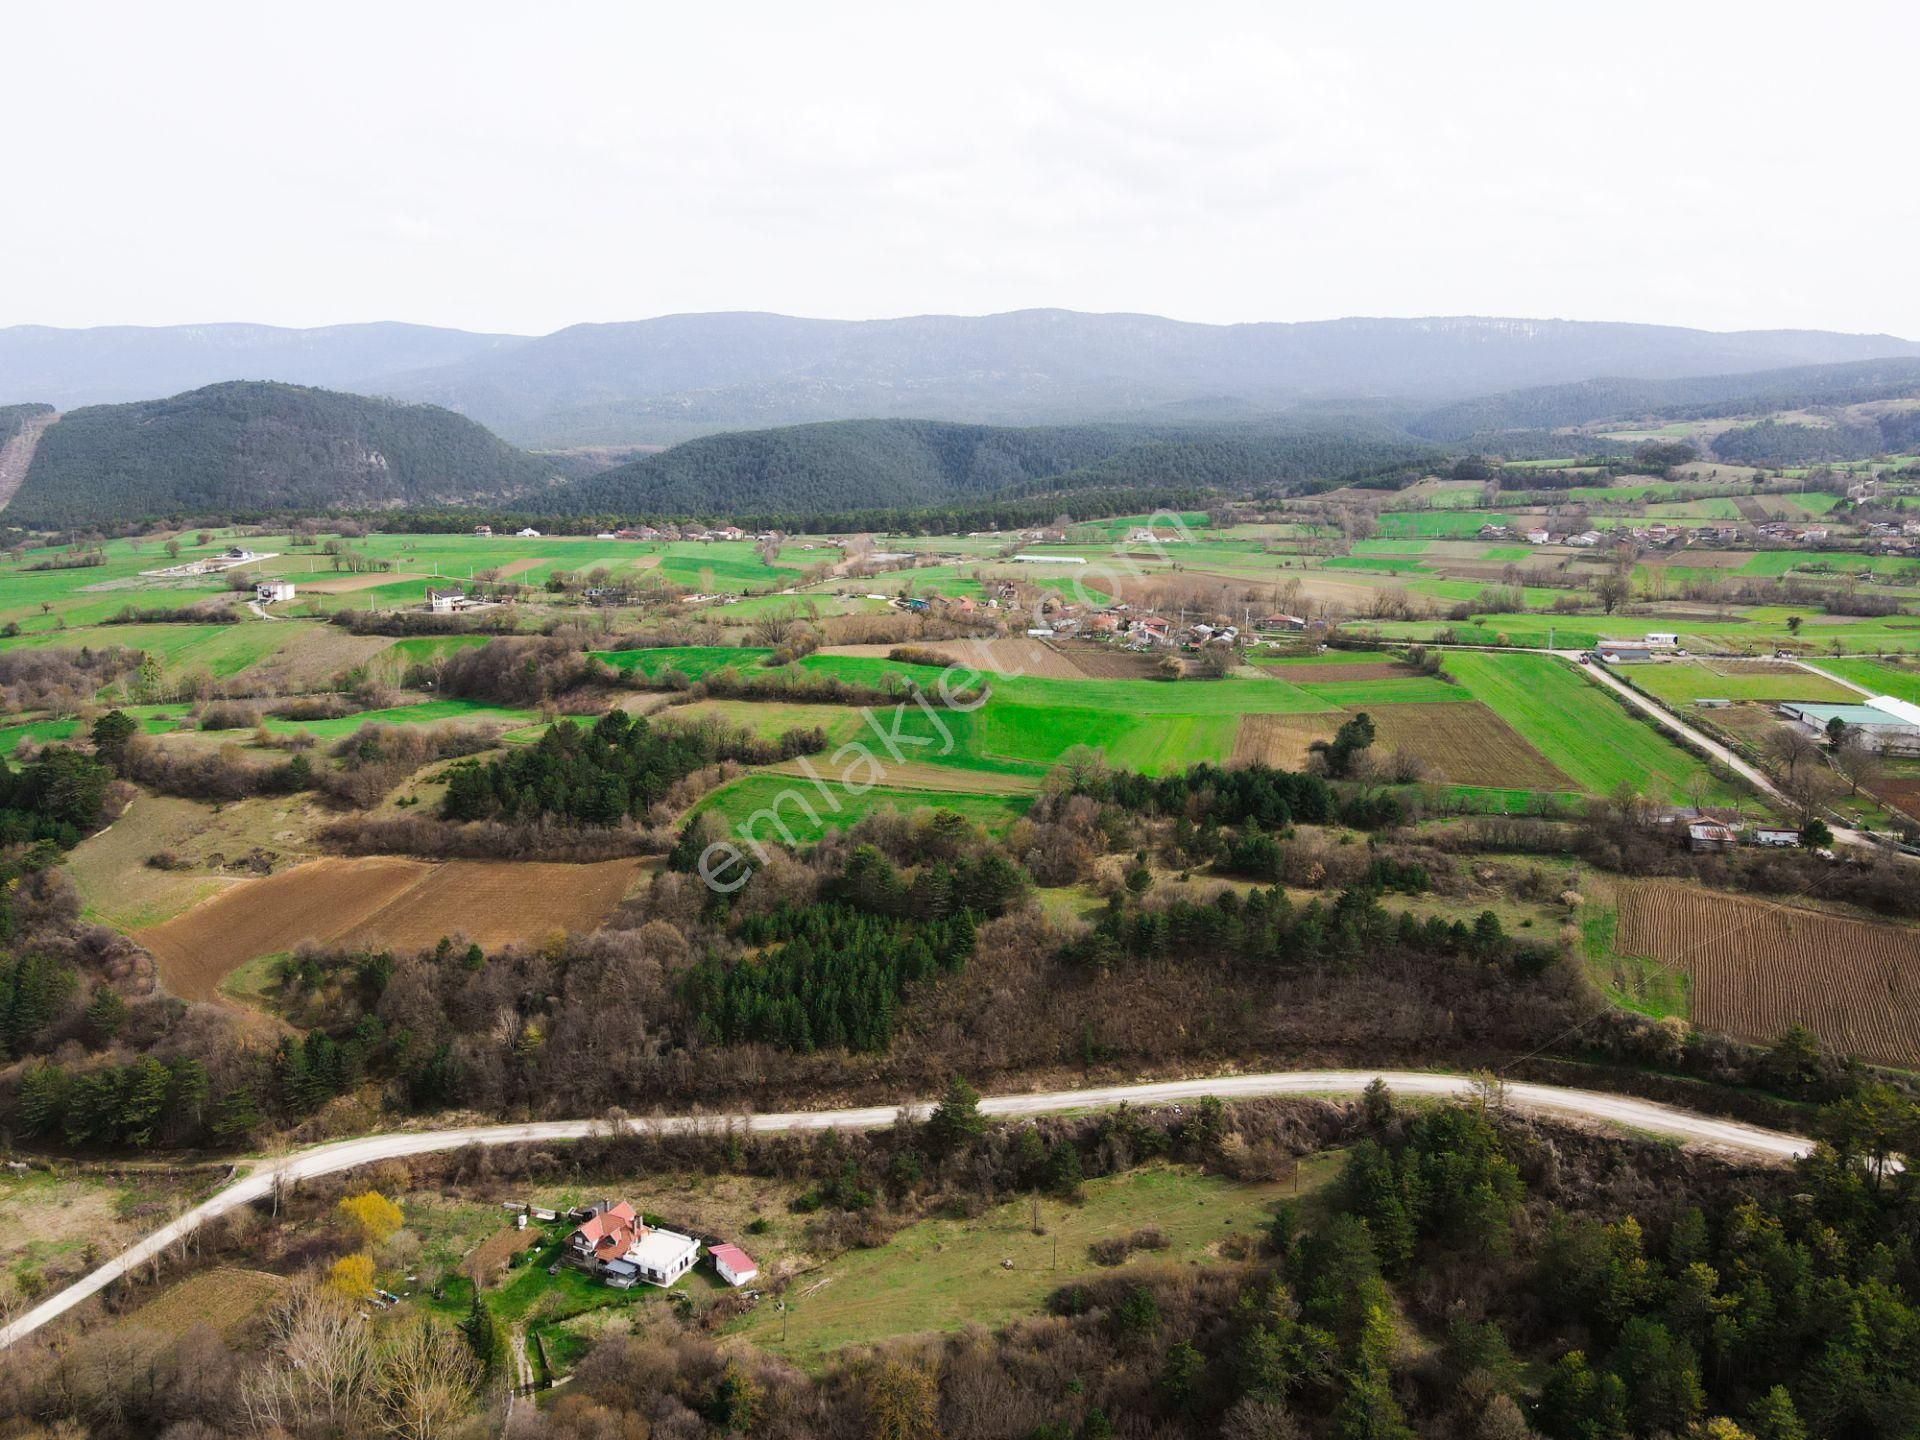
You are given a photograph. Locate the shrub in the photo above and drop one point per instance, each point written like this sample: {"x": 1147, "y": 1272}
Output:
{"x": 229, "y": 715}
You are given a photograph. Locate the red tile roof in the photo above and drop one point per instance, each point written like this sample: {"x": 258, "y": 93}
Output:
{"x": 610, "y": 1234}
{"x": 733, "y": 1257}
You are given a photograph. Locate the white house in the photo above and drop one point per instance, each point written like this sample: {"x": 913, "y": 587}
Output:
{"x": 528, "y": 534}
{"x": 735, "y": 1266}
{"x": 663, "y": 1256}
{"x": 267, "y": 592}
{"x": 445, "y": 602}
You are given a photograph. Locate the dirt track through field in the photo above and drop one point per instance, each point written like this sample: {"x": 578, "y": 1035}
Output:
{"x": 329, "y": 584}
{"x": 379, "y": 900}
{"x": 909, "y": 775}
{"x": 1758, "y": 967}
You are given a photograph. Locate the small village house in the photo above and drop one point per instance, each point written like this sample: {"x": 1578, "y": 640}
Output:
{"x": 613, "y": 1243}
{"x": 446, "y": 602}
{"x": 269, "y": 592}
{"x": 734, "y": 1265}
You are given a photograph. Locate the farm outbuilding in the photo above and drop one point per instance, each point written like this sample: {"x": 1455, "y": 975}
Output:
{"x": 734, "y": 1265}
{"x": 1624, "y": 652}
{"x": 1882, "y": 723}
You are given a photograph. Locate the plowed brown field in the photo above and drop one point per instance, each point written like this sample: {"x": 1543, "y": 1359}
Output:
{"x": 1467, "y": 745}
{"x": 379, "y": 900}
{"x": 1758, "y": 967}
{"x": 1282, "y": 741}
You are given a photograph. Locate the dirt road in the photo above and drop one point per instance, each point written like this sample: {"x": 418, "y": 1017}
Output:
{"x": 260, "y": 1178}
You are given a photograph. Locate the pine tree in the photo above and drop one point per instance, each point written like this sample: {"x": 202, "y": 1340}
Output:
{"x": 237, "y": 1115}
{"x": 483, "y": 1333}
{"x": 956, "y": 1121}
{"x": 1369, "y": 1410}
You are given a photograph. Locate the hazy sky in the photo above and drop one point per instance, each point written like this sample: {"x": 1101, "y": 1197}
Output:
{"x": 526, "y": 167}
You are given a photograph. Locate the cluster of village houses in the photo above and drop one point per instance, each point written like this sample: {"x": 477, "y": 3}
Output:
{"x": 1659, "y": 536}
{"x": 1120, "y": 623}
{"x": 1894, "y": 538}
{"x": 612, "y": 1243}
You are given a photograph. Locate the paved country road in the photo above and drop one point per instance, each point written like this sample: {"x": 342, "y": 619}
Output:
{"x": 1642, "y": 1115}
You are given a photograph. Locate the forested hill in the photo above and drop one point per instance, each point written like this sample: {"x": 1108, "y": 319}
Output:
{"x": 849, "y": 465}
{"x": 1545, "y": 407}
{"x": 12, "y": 417}
{"x": 248, "y": 447}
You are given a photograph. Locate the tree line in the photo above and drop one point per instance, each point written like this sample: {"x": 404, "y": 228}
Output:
{"x": 619, "y": 767}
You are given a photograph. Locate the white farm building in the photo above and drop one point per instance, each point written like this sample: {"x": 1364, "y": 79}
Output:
{"x": 1882, "y": 723}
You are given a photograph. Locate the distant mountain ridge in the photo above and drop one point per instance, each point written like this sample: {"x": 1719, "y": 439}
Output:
{"x": 117, "y": 363}
{"x": 251, "y": 447}
{"x": 667, "y": 379}
{"x": 674, "y": 377}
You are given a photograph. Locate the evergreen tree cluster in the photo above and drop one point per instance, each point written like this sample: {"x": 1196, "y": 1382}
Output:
{"x": 146, "y": 1102}
{"x": 601, "y": 774}
{"x": 1446, "y": 1182}
{"x": 1266, "y": 928}
{"x": 832, "y": 982}
{"x": 1256, "y": 793}
{"x": 58, "y": 796}
{"x": 1782, "y": 442}
{"x": 34, "y": 991}
{"x": 837, "y": 969}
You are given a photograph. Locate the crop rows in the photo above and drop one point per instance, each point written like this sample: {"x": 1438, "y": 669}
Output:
{"x": 1759, "y": 967}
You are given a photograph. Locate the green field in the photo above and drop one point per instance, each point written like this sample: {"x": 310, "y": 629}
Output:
{"x": 1576, "y": 725}
{"x": 946, "y": 1274}
{"x": 808, "y": 814}
{"x": 1879, "y": 676}
{"x": 430, "y": 712}
{"x": 693, "y": 661}
{"x": 1434, "y": 524}
{"x": 1413, "y": 690}
{"x": 1681, "y": 682}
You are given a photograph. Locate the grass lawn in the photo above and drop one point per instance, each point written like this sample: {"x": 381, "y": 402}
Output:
{"x": 1439, "y": 524}
{"x": 429, "y": 712}
{"x": 1681, "y": 682}
{"x": 1879, "y": 676}
{"x": 693, "y": 661}
{"x": 220, "y": 650}
{"x": 1633, "y": 982}
{"x": 946, "y": 1274}
{"x": 808, "y": 814}
{"x": 1576, "y": 725}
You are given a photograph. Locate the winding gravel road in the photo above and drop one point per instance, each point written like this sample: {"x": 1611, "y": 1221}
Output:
{"x": 1642, "y": 1115}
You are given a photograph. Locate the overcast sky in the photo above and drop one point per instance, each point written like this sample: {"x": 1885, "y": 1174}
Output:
{"x": 525, "y": 167}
